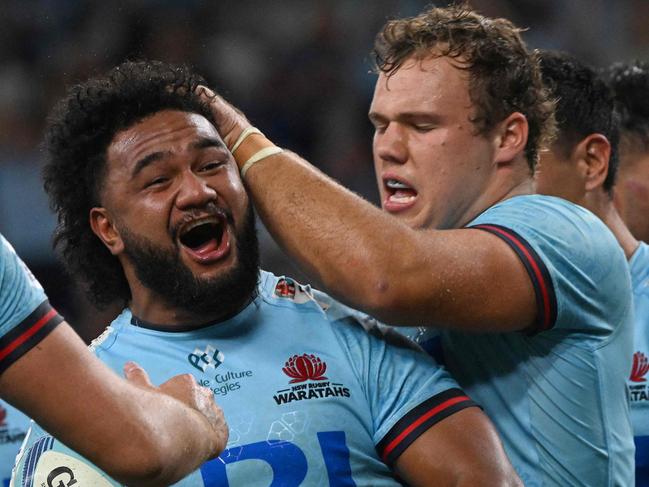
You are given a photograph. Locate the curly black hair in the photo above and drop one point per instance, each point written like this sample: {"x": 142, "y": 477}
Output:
{"x": 584, "y": 105}
{"x": 630, "y": 83}
{"x": 504, "y": 75}
{"x": 80, "y": 128}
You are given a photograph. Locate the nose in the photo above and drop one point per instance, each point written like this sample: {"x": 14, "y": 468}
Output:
{"x": 194, "y": 192}
{"x": 391, "y": 144}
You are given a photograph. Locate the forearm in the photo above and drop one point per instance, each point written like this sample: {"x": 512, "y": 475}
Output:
{"x": 337, "y": 237}
{"x": 137, "y": 436}
{"x": 370, "y": 260}
{"x": 462, "y": 450}
{"x": 156, "y": 446}
{"x": 373, "y": 262}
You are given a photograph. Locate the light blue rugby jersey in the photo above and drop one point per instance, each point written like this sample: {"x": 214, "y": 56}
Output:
{"x": 25, "y": 319}
{"x": 638, "y": 382}
{"x": 555, "y": 392}
{"x": 314, "y": 393}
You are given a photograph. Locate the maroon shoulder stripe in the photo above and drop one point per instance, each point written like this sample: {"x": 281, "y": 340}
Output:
{"x": 419, "y": 420}
{"x": 27, "y": 334}
{"x": 546, "y": 300}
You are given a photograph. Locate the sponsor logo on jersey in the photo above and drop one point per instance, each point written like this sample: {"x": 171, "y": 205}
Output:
{"x": 307, "y": 373}
{"x": 638, "y": 387}
{"x": 221, "y": 383}
{"x": 282, "y": 462}
{"x": 285, "y": 288}
{"x": 203, "y": 360}
{"x": 289, "y": 289}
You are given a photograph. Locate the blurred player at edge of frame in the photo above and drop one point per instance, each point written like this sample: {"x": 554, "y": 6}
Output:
{"x": 142, "y": 434}
{"x": 582, "y": 166}
{"x": 532, "y": 292}
{"x": 630, "y": 84}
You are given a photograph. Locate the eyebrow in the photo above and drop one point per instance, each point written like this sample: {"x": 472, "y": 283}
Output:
{"x": 147, "y": 161}
{"x": 407, "y": 116}
{"x": 201, "y": 143}
{"x": 206, "y": 142}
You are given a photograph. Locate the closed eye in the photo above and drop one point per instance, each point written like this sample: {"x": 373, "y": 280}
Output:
{"x": 159, "y": 181}
{"x": 211, "y": 166}
{"x": 423, "y": 127}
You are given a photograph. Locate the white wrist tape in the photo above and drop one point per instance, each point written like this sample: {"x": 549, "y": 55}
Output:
{"x": 243, "y": 135}
{"x": 258, "y": 156}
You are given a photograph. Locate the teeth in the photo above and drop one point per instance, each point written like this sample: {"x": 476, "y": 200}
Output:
{"x": 198, "y": 223}
{"x": 396, "y": 198}
{"x": 394, "y": 184}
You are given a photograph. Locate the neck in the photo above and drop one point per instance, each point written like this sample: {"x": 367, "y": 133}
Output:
{"x": 628, "y": 242}
{"x": 149, "y": 306}
{"x": 601, "y": 204}
{"x": 511, "y": 180}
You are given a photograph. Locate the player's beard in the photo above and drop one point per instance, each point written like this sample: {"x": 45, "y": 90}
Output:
{"x": 162, "y": 271}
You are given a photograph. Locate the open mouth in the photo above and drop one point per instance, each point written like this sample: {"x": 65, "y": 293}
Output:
{"x": 206, "y": 239}
{"x": 399, "y": 194}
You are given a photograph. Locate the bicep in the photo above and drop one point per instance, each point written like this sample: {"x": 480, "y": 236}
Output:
{"x": 463, "y": 449}
{"x": 63, "y": 386}
{"x": 465, "y": 279}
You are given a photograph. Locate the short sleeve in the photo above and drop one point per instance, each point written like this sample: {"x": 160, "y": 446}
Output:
{"x": 407, "y": 391}
{"x": 577, "y": 268}
{"x": 26, "y": 316}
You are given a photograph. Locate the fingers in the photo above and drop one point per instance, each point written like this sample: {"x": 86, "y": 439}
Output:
{"x": 185, "y": 388}
{"x": 137, "y": 375}
{"x": 215, "y": 417}
{"x": 230, "y": 121}
{"x": 205, "y": 93}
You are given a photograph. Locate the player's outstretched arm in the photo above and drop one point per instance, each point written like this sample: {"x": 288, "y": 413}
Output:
{"x": 462, "y": 450}
{"x": 369, "y": 259}
{"x": 138, "y": 434}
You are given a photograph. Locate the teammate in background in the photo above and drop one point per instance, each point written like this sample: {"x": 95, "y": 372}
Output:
{"x": 581, "y": 166}
{"x": 630, "y": 84}
{"x": 162, "y": 222}
{"x": 533, "y": 291}
{"x": 143, "y": 435}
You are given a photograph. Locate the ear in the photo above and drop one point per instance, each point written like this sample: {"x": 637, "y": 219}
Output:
{"x": 103, "y": 226}
{"x": 592, "y": 154}
{"x": 510, "y": 138}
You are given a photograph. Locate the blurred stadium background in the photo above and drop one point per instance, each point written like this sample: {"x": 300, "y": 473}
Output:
{"x": 300, "y": 69}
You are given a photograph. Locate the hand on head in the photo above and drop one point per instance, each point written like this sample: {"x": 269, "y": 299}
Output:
{"x": 231, "y": 122}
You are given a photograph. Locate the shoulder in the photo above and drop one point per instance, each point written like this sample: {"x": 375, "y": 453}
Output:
{"x": 286, "y": 292}
{"x": 571, "y": 256}
{"x": 557, "y": 229}
{"x": 108, "y": 337}
{"x": 13, "y": 269}
{"x": 544, "y": 217}
{"x": 347, "y": 324}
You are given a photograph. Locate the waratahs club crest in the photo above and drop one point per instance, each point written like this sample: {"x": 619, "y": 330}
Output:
{"x": 305, "y": 367}
{"x": 308, "y": 381}
{"x": 640, "y": 367}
